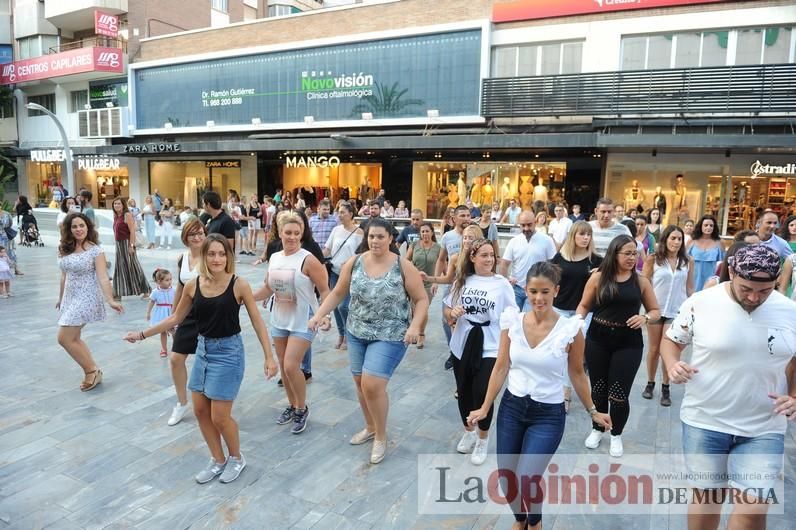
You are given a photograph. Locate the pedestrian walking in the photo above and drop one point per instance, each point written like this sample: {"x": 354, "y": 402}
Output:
{"x": 5, "y": 273}
{"x": 7, "y": 235}
{"x": 522, "y": 251}
{"x": 254, "y": 214}
{"x": 423, "y": 254}
{"x": 84, "y": 285}
{"x": 161, "y": 300}
{"x": 292, "y": 278}
{"x": 341, "y": 245}
{"x": 148, "y": 214}
{"x": 186, "y": 335}
{"x": 128, "y": 277}
{"x": 605, "y": 228}
{"x": 216, "y": 296}
{"x": 576, "y": 261}
{"x": 383, "y": 286}
{"x": 614, "y": 345}
{"x": 705, "y": 250}
{"x": 740, "y": 389}
{"x": 473, "y": 309}
{"x": 167, "y": 214}
{"x": 536, "y": 349}
{"x": 671, "y": 272}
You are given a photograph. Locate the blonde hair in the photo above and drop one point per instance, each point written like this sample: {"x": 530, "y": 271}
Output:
{"x": 461, "y": 259}
{"x": 288, "y": 219}
{"x": 202, "y": 266}
{"x": 568, "y": 248}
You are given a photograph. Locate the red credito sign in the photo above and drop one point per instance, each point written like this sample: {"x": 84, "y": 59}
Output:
{"x": 511, "y": 10}
{"x": 105, "y": 24}
{"x": 59, "y": 64}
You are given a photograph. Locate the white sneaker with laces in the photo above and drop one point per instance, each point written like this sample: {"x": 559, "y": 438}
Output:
{"x": 593, "y": 440}
{"x": 616, "y": 449}
{"x": 178, "y": 413}
{"x": 479, "y": 452}
{"x": 467, "y": 442}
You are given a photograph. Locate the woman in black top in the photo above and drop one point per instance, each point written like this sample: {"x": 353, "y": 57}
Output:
{"x": 215, "y": 298}
{"x": 613, "y": 342}
{"x": 577, "y": 260}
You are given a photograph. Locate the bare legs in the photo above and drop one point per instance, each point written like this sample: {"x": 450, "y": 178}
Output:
{"x": 656, "y": 333}
{"x": 179, "y": 374}
{"x": 69, "y": 339}
{"x": 290, "y": 351}
{"x": 216, "y": 422}
{"x": 375, "y": 403}
{"x": 707, "y": 516}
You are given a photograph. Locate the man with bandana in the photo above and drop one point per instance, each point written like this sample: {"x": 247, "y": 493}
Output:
{"x": 740, "y": 388}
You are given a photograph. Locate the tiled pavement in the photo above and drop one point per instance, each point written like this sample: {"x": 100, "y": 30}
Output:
{"x": 107, "y": 459}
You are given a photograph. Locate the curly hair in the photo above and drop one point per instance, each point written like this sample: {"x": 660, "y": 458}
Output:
{"x": 68, "y": 241}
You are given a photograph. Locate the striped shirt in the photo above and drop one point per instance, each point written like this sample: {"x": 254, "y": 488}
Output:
{"x": 603, "y": 236}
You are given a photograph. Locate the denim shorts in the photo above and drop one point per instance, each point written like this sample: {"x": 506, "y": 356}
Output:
{"x": 285, "y": 333}
{"x": 218, "y": 369}
{"x": 715, "y": 459}
{"x": 379, "y": 358}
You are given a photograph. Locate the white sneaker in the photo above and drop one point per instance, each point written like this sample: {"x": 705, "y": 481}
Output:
{"x": 467, "y": 442}
{"x": 616, "y": 448}
{"x": 178, "y": 413}
{"x": 593, "y": 440}
{"x": 479, "y": 452}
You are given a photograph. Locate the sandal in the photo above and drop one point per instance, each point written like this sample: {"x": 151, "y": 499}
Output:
{"x": 85, "y": 386}
{"x": 421, "y": 343}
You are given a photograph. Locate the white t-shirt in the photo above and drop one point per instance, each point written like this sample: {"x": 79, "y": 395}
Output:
{"x": 603, "y": 236}
{"x": 741, "y": 358}
{"x": 559, "y": 229}
{"x": 484, "y": 299}
{"x": 539, "y": 372}
{"x": 452, "y": 242}
{"x": 342, "y": 244}
{"x": 523, "y": 253}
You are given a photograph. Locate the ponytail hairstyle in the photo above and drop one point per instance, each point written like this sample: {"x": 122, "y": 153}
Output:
{"x": 160, "y": 274}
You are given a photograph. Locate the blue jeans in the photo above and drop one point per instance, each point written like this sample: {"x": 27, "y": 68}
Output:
{"x": 715, "y": 459}
{"x": 528, "y": 435}
{"x": 520, "y": 297}
{"x": 341, "y": 311}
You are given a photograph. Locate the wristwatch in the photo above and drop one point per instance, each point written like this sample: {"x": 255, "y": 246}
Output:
{"x": 592, "y": 411}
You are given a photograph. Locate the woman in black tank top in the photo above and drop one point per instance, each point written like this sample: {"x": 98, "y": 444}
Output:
{"x": 614, "y": 345}
{"x": 215, "y": 298}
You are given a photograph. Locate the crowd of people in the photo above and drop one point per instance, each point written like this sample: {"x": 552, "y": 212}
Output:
{"x": 561, "y": 307}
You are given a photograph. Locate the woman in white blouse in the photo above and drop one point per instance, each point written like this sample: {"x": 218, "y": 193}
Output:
{"x": 536, "y": 349}
{"x": 341, "y": 245}
{"x": 671, "y": 272}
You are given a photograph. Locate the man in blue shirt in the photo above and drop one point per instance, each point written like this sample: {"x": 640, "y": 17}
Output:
{"x": 411, "y": 232}
{"x": 766, "y": 230}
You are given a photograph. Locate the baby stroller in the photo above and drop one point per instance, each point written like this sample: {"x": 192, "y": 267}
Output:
{"x": 30, "y": 231}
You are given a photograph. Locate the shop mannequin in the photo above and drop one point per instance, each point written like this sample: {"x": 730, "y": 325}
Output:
{"x": 475, "y": 191}
{"x": 453, "y": 196}
{"x": 659, "y": 201}
{"x": 634, "y": 197}
{"x": 679, "y": 193}
{"x": 505, "y": 190}
{"x": 461, "y": 186}
{"x": 365, "y": 191}
{"x": 526, "y": 192}
{"x": 540, "y": 191}
{"x": 487, "y": 192}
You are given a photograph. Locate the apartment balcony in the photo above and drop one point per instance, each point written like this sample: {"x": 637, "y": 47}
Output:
{"x": 767, "y": 90}
{"x": 91, "y": 42}
{"x": 78, "y": 15}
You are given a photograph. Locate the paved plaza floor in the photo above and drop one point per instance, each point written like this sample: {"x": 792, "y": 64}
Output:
{"x": 107, "y": 459}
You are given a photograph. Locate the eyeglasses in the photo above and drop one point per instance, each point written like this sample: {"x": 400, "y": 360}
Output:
{"x": 196, "y": 234}
{"x": 629, "y": 254}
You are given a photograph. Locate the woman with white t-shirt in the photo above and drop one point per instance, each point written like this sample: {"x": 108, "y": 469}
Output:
{"x": 342, "y": 243}
{"x": 671, "y": 272}
{"x": 532, "y": 415}
{"x": 292, "y": 278}
{"x": 474, "y": 305}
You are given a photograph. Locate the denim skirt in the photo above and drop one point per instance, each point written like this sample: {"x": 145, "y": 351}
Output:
{"x": 218, "y": 369}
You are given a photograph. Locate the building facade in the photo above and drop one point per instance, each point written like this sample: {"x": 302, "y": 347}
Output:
{"x": 494, "y": 100}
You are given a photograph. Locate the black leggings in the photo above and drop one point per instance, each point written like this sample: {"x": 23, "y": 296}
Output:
{"x": 473, "y": 391}
{"x": 613, "y": 356}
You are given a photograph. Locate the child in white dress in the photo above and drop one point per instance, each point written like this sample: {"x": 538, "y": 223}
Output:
{"x": 5, "y": 273}
{"x": 160, "y": 302}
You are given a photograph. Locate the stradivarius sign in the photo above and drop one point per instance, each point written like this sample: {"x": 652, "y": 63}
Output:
{"x": 758, "y": 168}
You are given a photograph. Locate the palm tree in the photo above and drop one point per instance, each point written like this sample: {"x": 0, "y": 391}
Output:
{"x": 385, "y": 101}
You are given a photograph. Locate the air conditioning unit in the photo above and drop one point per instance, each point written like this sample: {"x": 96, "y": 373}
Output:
{"x": 102, "y": 123}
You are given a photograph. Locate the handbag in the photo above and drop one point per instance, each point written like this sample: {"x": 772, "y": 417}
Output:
{"x": 10, "y": 233}
{"x": 327, "y": 262}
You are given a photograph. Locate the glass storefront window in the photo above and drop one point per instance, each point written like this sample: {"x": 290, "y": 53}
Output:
{"x": 184, "y": 181}
{"x": 358, "y": 181}
{"x": 437, "y": 186}
{"x": 42, "y": 176}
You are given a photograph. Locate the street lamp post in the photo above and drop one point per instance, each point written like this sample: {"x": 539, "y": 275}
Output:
{"x": 70, "y": 177}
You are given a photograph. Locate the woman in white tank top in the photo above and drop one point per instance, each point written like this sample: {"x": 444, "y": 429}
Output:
{"x": 671, "y": 271}
{"x": 787, "y": 277}
{"x": 292, "y": 278}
